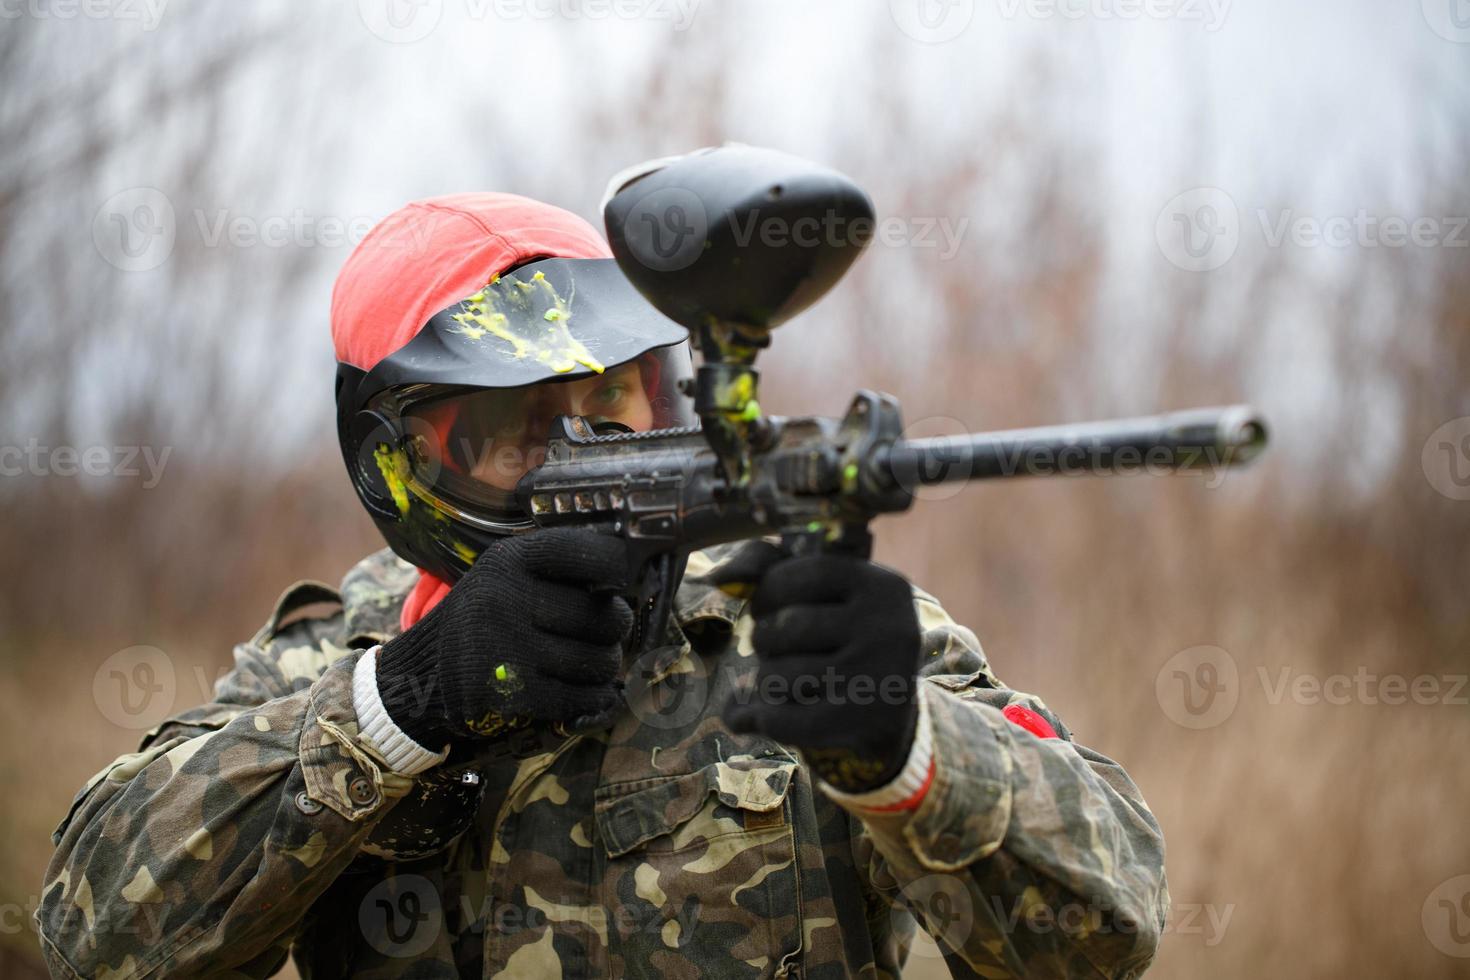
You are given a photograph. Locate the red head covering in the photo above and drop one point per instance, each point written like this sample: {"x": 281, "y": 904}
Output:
{"x": 430, "y": 254}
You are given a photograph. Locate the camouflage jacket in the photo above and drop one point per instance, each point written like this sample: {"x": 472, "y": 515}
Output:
{"x": 260, "y": 826}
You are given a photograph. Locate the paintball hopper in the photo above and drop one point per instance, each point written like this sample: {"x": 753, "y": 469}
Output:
{"x": 737, "y": 234}
{"x": 731, "y": 242}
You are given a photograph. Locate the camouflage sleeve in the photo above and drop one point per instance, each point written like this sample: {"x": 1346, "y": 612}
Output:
{"x": 1027, "y": 857}
{"x": 201, "y": 853}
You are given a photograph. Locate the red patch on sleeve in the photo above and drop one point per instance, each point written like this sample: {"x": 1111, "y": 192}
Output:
{"x": 1019, "y": 714}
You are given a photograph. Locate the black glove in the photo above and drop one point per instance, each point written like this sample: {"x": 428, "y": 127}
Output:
{"x": 523, "y": 638}
{"x": 838, "y": 642}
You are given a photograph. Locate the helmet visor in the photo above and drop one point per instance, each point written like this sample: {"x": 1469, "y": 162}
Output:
{"x": 469, "y": 449}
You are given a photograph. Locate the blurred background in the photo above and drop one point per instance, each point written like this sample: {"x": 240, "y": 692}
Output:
{"x": 1092, "y": 208}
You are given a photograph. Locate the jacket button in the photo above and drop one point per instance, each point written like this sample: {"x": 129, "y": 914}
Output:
{"x": 361, "y": 791}
{"x": 306, "y": 804}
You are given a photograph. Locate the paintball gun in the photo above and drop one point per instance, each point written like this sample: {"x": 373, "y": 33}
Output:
{"x": 682, "y": 235}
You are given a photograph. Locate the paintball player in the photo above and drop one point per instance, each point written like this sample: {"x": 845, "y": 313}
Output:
{"x": 451, "y": 767}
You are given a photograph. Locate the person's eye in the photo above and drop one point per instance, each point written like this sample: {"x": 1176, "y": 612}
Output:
{"x": 611, "y": 396}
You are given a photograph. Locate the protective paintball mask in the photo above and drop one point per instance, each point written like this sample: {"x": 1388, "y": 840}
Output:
{"x": 437, "y": 433}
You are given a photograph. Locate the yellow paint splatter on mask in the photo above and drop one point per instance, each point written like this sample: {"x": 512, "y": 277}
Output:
{"x": 506, "y": 310}
{"x": 430, "y": 517}
{"x": 465, "y": 552}
{"x": 394, "y": 468}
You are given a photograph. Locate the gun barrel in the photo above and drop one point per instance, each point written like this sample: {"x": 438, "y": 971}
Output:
{"x": 1203, "y": 438}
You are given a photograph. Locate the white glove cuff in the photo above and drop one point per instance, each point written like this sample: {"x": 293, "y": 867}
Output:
{"x": 374, "y": 724}
{"x": 910, "y": 780}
